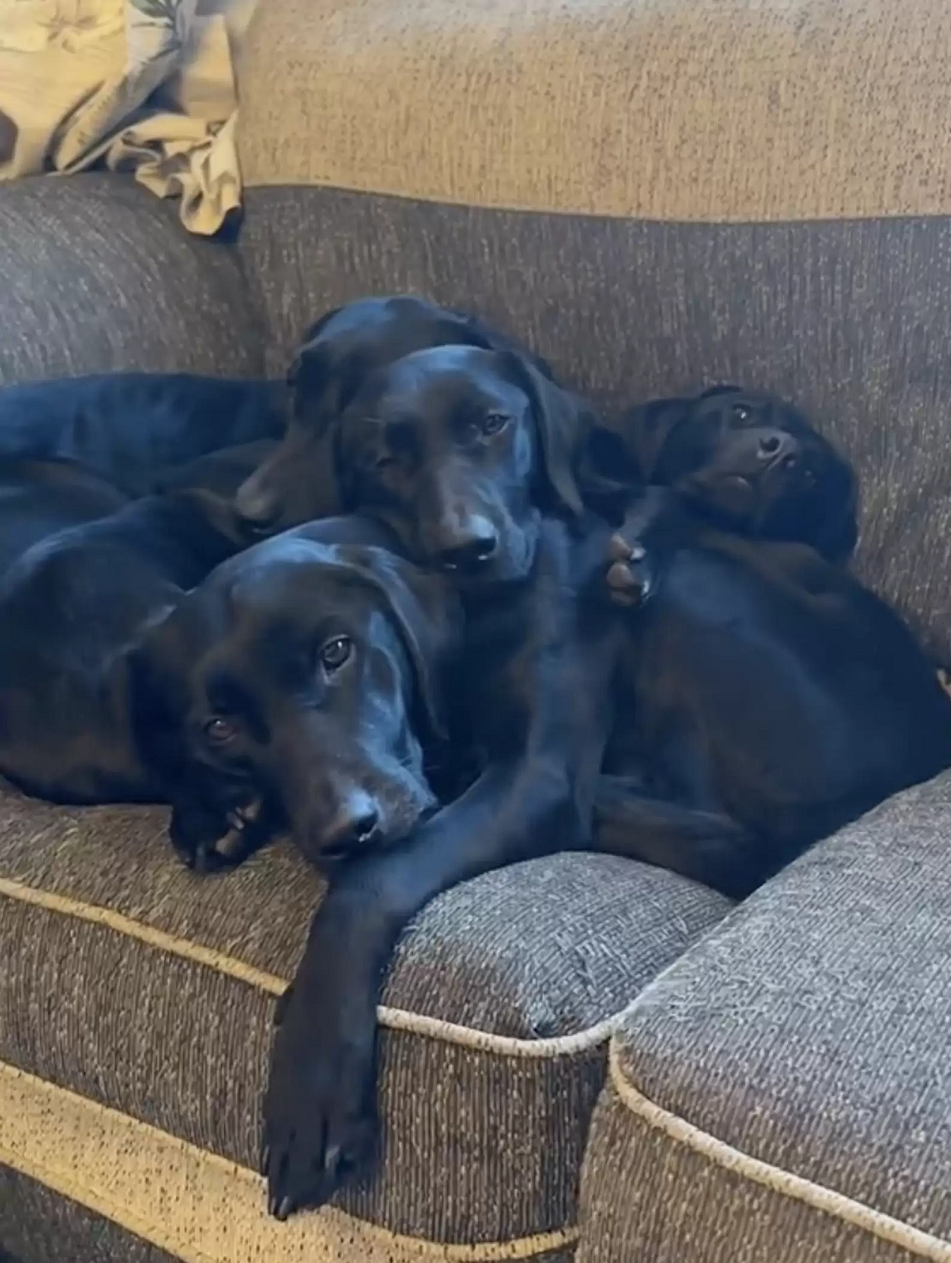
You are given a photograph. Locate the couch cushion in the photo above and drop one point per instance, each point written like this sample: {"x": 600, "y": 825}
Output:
{"x": 611, "y": 107}
{"x": 38, "y": 1224}
{"x": 98, "y": 275}
{"x": 138, "y": 995}
{"x": 784, "y": 1090}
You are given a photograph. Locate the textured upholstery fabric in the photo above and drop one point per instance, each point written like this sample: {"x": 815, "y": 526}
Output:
{"x": 808, "y": 1033}
{"x": 850, "y": 319}
{"x": 694, "y": 109}
{"x": 485, "y": 1126}
{"x": 37, "y": 1224}
{"x": 97, "y": 275}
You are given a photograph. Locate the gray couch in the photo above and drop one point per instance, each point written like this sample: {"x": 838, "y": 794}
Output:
{"x": 580, "y": 1057}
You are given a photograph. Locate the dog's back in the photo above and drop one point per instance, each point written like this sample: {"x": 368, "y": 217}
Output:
{"x": 126, "y": 426}
{"x": 69, "y": 607}
{"x": 39, "y": 498}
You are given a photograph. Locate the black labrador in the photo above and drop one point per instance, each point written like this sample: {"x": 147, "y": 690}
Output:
{"x": 252, "y": 668}
{"x": 136, "y": 429}
{"x": 750, "y": 461}
{"x": 340, "y": 351}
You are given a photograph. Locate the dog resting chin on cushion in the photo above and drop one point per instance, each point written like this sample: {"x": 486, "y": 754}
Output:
{"x": 294, "y": 689}
{"x": 750, "y": 460}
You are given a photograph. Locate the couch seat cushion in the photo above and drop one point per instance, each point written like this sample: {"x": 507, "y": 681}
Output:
{"x": 137, "y": 1002}
{"x": 783, "y": 1092}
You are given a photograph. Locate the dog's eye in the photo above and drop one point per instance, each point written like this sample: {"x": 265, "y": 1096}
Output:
{"x": 493, "y": 422}
{"x": 220, "y": 731}
{"x": 742, "y": 412}
{"x": 336, "y": 652}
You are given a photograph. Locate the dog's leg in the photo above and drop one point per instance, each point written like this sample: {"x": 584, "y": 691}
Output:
{"x": 707, "y": 846}
{"x": 320, "y": 1119}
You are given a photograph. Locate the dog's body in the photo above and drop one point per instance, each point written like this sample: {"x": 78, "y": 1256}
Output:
{"x": 83, "y": 567}
{"x": 38, "y": 498}
{"x": 133, "y": 429}
{"x": 70, "y": 606}
{"x": 763, "y": 686}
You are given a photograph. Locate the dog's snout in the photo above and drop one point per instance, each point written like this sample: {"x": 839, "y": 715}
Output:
{"x": 470, "y": 546}
{"x": 255, "y": 504}
{"x": 355, "y": 825}
{"x": 776, "y": 447}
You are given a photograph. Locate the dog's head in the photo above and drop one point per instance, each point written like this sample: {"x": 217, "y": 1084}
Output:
{"x": 754, "y": 461}
{"x": 337, "y": 356}
{"x": 301, "y": 681}
{"x": 460, "y": 450}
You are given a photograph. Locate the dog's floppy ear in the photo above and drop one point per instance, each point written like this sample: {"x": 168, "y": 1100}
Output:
{"x": 836, "y": 532}
{"x": 648, "y": 429}
{"x": 153, "y": 701}
{"x": 562, "y": 424}
{"x": 428, "y": 614}
{"x": 313, "y": 375}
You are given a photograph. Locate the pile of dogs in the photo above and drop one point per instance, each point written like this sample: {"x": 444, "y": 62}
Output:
{"x": 438, "y": 619}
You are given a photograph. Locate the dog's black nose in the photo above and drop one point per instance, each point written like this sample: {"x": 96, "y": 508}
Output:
{"x": 776, "y": 447}
{"x": 355, "y": 825}
{"x": 471, "y": 548}
{"x": 255, "y": 505}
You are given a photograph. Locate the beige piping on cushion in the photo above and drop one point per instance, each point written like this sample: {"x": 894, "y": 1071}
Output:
{"x": 193, "y": 1204}
{"x": 874, "y": 1222}
{"x": 393, "y": 1019}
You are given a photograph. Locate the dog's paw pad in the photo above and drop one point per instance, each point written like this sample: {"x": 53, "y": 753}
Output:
{"x": 628, "y": 582}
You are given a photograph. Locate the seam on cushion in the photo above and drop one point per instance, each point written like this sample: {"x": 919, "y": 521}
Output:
{"x": 515, "y": 207}
{"x": 36, "y": 1135}
{"x": 875, "y": 1222}
{"x": 392, "y": 1018}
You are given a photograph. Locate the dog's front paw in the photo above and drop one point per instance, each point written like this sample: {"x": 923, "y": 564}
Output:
{"x": 320, "y": 1109}
{"x": 208, "y": 841}
{"x": 628, "y": 577}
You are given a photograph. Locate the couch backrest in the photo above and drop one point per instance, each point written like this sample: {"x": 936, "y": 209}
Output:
{"x": 658, "y": 194}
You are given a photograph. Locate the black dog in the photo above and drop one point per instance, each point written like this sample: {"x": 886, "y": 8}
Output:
{"x": 764, "y": 688}
{"x": 464, "y": 455}
{"x": 280, "y": 694}
{"x": 71, "y": 605}
{"x": 750, "y": 461}
{"x": 339, "y": 353}
{"x": 134, "y": 429}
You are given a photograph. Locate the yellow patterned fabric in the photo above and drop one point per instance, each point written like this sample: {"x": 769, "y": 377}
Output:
{"x": 144, "y": 85}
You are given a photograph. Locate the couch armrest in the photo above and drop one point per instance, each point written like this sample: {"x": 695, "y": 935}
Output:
{"x": 97, "y": 275}
{"x": 783, "y": 1091}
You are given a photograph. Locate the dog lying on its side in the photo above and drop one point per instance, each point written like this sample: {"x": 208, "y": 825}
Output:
{"x": 748, "y": 461}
